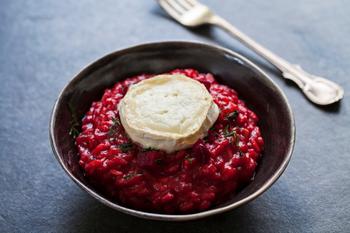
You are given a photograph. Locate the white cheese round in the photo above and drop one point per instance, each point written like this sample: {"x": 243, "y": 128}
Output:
{"x": 167, "y": 112}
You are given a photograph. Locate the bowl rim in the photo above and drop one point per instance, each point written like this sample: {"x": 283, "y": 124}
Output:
{"x": 173, "y": 217}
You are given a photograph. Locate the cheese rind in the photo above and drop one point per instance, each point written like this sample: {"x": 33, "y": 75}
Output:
{"x": 167, "y": 112}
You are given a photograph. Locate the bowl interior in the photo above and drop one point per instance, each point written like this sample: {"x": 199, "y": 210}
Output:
{"x": 259, "y": 92}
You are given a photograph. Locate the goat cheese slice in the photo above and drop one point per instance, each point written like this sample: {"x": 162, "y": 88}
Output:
{"x": 167, "y": 112}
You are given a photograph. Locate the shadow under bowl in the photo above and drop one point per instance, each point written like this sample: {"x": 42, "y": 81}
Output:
{"x": 252, "y": 84}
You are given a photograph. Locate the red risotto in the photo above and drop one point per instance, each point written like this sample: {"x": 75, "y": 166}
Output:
{"x": 186, "y": 181}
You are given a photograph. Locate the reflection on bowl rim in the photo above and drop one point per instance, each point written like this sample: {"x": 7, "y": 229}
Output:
{"x": 179, "y": 217}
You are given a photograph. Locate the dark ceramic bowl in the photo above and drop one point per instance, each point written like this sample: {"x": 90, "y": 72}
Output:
{"x": 232, "y": 69}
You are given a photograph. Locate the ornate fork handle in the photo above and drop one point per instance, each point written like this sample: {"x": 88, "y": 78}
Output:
{"x": 317, "y": 89}
{"x": 289, "y": 71}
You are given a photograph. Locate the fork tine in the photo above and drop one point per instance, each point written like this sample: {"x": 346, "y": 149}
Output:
{"x": 168, "y": 8}
{"x": 186, "y": 5}
{"x": 192, "y": 2}
{"x": 176, "y": 6}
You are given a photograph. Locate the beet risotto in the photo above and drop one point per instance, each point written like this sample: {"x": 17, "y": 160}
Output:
{"x": 185, "y": 181}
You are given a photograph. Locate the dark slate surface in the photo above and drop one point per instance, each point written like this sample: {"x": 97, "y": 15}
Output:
{"x": 44, "y": 43}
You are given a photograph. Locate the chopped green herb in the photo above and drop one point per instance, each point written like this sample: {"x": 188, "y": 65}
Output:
{"x": 148, "y": 149}
{"x": 129, "y": 175}
{"x": 116, "y": 121}
{"x": 228, "y": 133}
{"x": 159, "y": 161}
{"x": 189, "y": 159}
{"x": 232, "y": 116}
{"x": 73, "y": 132}
{"x": 75, "y": 125}
{"x": 226, "y": 129}
{"x": 125, "y": 147}
{"x": 237, "y": 140}
{"x": 114, "y": 126}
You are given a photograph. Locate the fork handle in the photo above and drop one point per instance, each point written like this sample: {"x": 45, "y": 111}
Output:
{"x": 289, "y": 71}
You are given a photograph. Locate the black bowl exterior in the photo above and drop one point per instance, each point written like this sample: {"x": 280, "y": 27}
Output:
{"x": 254, "y": 86}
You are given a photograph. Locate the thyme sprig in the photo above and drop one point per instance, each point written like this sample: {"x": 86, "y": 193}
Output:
{"x": 228, "y": 133}
{"x": 232, "y": 135}
{"x": 114, "y": 126}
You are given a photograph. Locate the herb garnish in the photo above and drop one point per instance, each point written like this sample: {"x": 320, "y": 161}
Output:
{"x": 74, "y": 132}
{"x": 148, "y": 149}
{"x": 212, "y": 128}
{"x": 158, "y": 161}
{"x": 237, "y": 140}
{"x": 114, "y": 126}
{"x": 75, "y": 125}
{"x": 125, "y": 147}
{"x": 228, "y": 133}
{"x": 232, "y": 116}
{"x": 129, "y": 175}
{"x": 189, "y": 159}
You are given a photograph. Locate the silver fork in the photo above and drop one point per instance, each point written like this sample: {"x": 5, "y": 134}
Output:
{"x": 191, "y": 13}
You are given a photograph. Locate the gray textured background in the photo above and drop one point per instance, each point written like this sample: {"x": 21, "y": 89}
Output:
{"x": 44, "y": 43}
